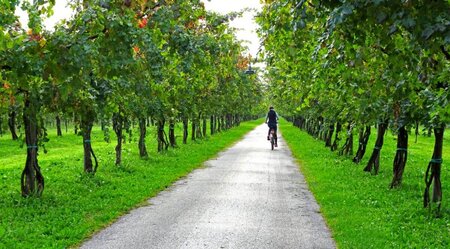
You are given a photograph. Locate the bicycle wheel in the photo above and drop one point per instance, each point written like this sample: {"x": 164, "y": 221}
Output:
{"x": 272, "y": 142}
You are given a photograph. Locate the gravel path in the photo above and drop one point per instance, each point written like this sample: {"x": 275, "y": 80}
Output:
{"x": 248, "y": 197}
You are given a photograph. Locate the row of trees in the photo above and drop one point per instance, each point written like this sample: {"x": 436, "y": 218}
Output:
{"x": 118, "y": 61}
{"x": 350, "y": 64}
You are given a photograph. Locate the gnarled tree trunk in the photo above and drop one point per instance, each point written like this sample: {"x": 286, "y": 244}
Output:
{"x": 211, "y": 125}
{"x": 162, "y": 137}
{"x": 363, "y": 139}
{"x": 347, "y": 148}
{"x": 222, "y": 123}
{"x": 204, "y": 127}
{"x": 218, "y": 124}
{"x": 400, "y": 157}
{"x": 118, "y": 123}
{"x": 86, "y": 124}
{"x": 185, "y": 130}
{"x": 12, "y": 124}
{"x": 329, "y": 136}
{"x": 433, "y": 174}
{"x": 335, "y": 144}
{"x": 32, "y": 180}
{"x": 172, "y": 138}
{"x": 142, "y": 133}
{"x": 193, "y": 129}
{"x": 198, "y": 127}
{"x": 416, "y": 128}
{"x": 374, "y": 162}
{"x": 58, "y": 126}
{"x": 75, "y": 122}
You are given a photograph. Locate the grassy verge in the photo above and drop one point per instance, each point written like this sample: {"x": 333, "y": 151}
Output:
{"x": 360, "y": 209}
{"x": 75, "y": 205}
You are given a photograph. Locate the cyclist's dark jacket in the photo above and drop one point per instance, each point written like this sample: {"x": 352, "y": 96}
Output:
{"x": 272, "y": 116}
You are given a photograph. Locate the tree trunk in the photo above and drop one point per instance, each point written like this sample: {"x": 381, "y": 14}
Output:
{"x": 204, "y": 127}
{"x": 215, "y": 124}
{"x": 118, "y": 124}
{"x": 58, "y": 126}
{"x": 75, "y": 121}
{"x": 416, "y": 131}
{"x": 193, "y": 129}
{"x": 347, "y": 148}
{"x": 374, "y": 162}
{"x": 322, "y": 132}
{"x": 218, "y": 124}
{"x": 296, "y": 122}
{"x": 329, "y": 136}
{"x": 317, "y": 128}
{"x": 310, "y": 128}
{"x": 185, "y": 130}
{"x": 336, "y": 137}
{"x": 172, "y": 138}
{"x": 227, "y": 121}
{"x": 162, "y": 137}
{"x": 32, "y": 180}
{"x": 86, "y": 124}
{"x": 222, "y": 121}
{"x": 142, "y": 133}
{"x": 66, "y": 124}
{"x": 198, "y": 127}
{"x": 363, "y": 139}
{"x": 12, "y": 125}
{"x": 400, "y": 157}
{"x": 211, "y": 125}
{"x": 433, "y": 173}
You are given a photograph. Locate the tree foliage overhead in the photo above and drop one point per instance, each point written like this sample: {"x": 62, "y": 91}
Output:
{"x": 359, "y": 63}
{"x": 118, "y": 61}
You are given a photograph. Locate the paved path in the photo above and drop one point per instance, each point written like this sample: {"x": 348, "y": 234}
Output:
{"x": 249, "y": 197}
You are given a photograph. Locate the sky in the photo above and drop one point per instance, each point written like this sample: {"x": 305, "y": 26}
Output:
{"x": 246, "y": 25}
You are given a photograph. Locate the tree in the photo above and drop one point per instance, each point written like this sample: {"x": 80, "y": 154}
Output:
{"x": 120, "y": 61}
{"x": 330, "y": 68}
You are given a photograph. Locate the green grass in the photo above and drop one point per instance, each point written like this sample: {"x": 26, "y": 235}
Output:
{"x": 359, "y": 208}
{"x": 75, "y": 205}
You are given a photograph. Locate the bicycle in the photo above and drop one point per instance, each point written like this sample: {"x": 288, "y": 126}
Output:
{"x": 272, "y": 138}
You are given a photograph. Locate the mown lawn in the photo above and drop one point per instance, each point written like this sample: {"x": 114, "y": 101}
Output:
{"x": 360, "y": 209}
{"x": 75, "y": 205}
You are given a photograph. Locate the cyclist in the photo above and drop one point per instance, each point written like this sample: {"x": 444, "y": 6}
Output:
{"x": 271, "y": 121}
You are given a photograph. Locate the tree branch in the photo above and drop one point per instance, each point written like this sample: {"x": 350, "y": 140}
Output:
{"x": 90, "y": 38}
{"x": 147, "y": 9}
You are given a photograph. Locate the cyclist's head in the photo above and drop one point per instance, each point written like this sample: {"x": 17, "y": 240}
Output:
{"x": 271, "y": 108}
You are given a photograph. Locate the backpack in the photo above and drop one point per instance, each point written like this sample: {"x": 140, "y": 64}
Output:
{"x": 272, "y": 116}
